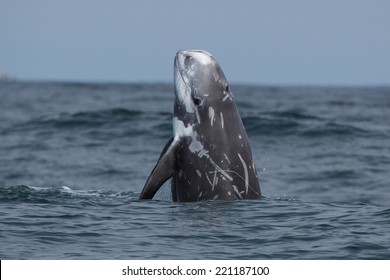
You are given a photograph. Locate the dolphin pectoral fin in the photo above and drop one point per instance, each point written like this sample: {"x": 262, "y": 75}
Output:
{"x": 164, "y": 169}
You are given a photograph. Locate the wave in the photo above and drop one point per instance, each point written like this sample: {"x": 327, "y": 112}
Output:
{"x": 89, "y": 118}
{"x": 286, "y": 122}
{"x": 94, "y": 118}
{"x": 138, "y": 122}
{"x": 292, "y": 122}
{"x": 110, "y": 122}
{"x": 59, "y": 195}
{"x": 335, "y": 129}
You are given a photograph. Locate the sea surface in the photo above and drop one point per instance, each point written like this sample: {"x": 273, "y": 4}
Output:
{"x": 74, "y": 158}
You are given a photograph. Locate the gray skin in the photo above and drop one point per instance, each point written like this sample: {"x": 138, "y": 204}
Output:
{"x": 208, "y": 156}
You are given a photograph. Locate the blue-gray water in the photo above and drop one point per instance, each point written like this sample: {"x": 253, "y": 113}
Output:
{"x": 74, "y": 158}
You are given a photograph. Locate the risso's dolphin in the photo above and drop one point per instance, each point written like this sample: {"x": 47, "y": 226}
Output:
{"x": 208, "y": 156}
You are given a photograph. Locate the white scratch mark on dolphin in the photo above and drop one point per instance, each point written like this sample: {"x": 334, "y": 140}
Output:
{"x": 216, "y": 76}
{"x": 211, "y": 115}
{"x": 236, "y": 191}
{"x": 245, "y": 173}
{"x": 208, "y": 179}
{"x": 197, "y": 116}
{"x": 215, "y": 180}
{"x": 222, "y": 120}
{"x": 203, "y": 153}
{"x": 227, "y": 158}
{"x": 225, "y": 97}
{"x": 242, "y": 178}
{"x": 199, "y": 173}
{"x": 220, "y": 170}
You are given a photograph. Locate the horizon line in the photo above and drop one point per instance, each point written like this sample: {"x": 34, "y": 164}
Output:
{"x": 166, "y": 82}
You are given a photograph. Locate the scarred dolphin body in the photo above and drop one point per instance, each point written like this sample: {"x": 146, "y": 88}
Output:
{"x": 209, "y": 156}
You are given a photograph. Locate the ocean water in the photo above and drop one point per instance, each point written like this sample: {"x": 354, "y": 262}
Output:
{"x": 74, "y": 158}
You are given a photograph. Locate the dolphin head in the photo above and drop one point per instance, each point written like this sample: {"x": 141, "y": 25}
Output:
{"x": 199, "y": 83}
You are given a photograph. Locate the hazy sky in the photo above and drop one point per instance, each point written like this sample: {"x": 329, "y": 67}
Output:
{"x": 328, "y": 42}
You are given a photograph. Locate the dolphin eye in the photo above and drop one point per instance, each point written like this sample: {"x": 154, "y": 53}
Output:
{"x": 198, "y": 101}
{"x": 227, "y": 88}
